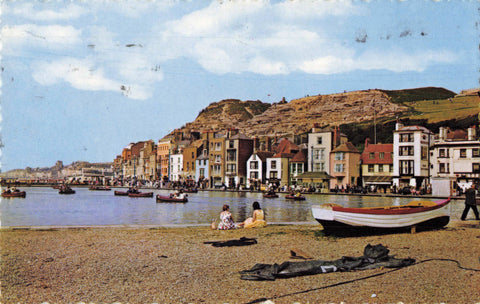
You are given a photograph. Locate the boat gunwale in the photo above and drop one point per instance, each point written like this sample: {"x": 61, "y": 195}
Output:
{"x": 404, "y": 209}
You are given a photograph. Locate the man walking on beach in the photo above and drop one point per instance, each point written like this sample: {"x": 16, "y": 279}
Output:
{"x": 470, "y": 202}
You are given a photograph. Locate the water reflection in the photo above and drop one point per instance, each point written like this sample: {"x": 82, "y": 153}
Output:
{"x": 45, "y": 207}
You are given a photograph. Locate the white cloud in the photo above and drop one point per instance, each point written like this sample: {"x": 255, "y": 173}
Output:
{"x": 80, "y": 74}
{"x": 394, "y": 60}
{"x": 48, "y": 36}
{"x": 27, "y": 10}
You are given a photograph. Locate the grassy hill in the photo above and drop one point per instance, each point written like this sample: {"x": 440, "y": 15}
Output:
{"x": 456, "y": 112}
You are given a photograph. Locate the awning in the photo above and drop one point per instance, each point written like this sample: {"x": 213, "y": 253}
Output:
{"x": 313, "y": 176}
{"x": 379, "y": 180}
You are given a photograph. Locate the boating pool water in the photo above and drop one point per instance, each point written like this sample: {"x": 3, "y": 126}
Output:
{"x": 43, "y": 206}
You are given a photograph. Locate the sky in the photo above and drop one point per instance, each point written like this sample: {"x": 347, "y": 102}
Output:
{"x": 80, "y": 80}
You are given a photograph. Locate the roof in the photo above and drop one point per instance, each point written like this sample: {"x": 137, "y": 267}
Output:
{"x": 413, "y": 128}
{"x": 457, "y": 135}
{"x": 346, "y": 147}
{"x": 387, "y": 149}
{"x": 240, "y": 136}
{"x": 300, "y": 157}
{"x": 263, "y": 155}
{"x": 314, "y": 175}
{"x": 286, "y": 146}
{"x": 284, "y": 155}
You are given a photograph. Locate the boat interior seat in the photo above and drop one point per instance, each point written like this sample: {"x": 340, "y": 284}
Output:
{"x": 421, "y": 204}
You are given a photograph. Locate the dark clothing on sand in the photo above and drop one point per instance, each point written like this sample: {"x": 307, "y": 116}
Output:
{"x": 470, "y": 202}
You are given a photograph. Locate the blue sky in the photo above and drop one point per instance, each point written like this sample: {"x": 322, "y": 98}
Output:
{"x": 83, "y": 79}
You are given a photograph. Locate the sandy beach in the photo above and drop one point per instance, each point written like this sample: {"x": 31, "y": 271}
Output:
{"x": 174, "y": 265}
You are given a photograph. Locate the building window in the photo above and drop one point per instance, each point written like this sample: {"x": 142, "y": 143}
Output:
{"x": 218, "y": 158}
{"x": 371, "y": 155}
{"x": 319, "y": 167}
{"x": 380, "y": 168}
{"x": 319, "y": 140}
{"x": 274, "y": 164}
{"x": 218, "y": 146}
{"x": 424, "y": 152}
{"x": 319, "y": 154}
{"x": 231, "y": 156}
{"x": 202, "y": 171}
{"x": 406, "y": 137}
{"x": 381, "y": 155}
{"x": 406, "y": 151}
{"x": 390, "y": 168}
{"x": 231, "y": 168}
{"x": 339, "y": 155}
{"x": 339, "y": 168}
{"x": 476, "y": 152}
{"x": 406, "y": 167}
{"x": 444, "y": 168}
{"x": 254, "y": 175}
{"x": 476, "y": 167}
{"x": 254, "y": 165}
{"x": 216, "y": 169}
{"x": 463, "y": 153}
{"x": 371, "y": 168}
{"x": 273, "y": 174}
{"x": 230, "y": 144}
{"x": 204, "y": 162}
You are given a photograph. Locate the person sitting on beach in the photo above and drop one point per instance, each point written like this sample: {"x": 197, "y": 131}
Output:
{"x": 226, "y": 219}
{"x": 257, "y": 219}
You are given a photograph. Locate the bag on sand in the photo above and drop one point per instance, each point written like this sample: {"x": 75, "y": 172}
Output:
{"x": 213, "y": 225}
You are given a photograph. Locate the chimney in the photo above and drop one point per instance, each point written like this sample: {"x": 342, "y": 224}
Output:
{"x": 255, "y": 144}
{"x": 472, "y": 133}
{"x": 441, "y": 133}
{"x": 367, "y": 142}
{"x": 398, "y": 125}
{"x": 335, "y": 137}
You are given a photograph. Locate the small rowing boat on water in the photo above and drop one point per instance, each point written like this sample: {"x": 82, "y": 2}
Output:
{"x": 295, "y": 197}
{"x": 120, "y": 193}
{"x": 270, "y": 195}
{"x": 14, "y": 194}
{"x": 140, "y": 194}
{"x": 428, "y": 214}
{"x": 66, "y": 191}
{"x": 171, "y": 199}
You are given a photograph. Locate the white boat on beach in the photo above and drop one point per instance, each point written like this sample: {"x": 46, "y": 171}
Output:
{"x": 416, "y": 213}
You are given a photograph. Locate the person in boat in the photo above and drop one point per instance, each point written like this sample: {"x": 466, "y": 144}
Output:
{"x": 257, "y": 219}
{"x": 226, "y": 219}
{"x": 470, "y": 202}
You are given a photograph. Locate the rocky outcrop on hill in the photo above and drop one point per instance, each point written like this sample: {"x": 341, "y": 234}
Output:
{"x": 296, "y": 116}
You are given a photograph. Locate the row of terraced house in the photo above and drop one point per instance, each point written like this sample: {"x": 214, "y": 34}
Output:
{"x": 323, "y": 159}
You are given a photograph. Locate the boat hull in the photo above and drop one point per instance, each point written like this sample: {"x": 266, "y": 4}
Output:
{"x": 142, "y": 194}
{"x": 423, "y": 214}
{"x": 295, "y": 198}
{"x": 167, "y": 199}
{"x": 15, "y": 194}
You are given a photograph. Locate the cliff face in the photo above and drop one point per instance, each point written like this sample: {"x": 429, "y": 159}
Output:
{"x": 296, "y": 116}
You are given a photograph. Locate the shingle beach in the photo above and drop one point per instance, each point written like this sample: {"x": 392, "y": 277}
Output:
{"x": 174, "y": 265}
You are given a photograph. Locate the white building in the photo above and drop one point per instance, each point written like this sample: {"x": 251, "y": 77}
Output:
{"x": 176, "y": 167}
{"x": 257, "y": 168}
{"x": 455, "y": 161}
{"x": 411, "y": 165}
